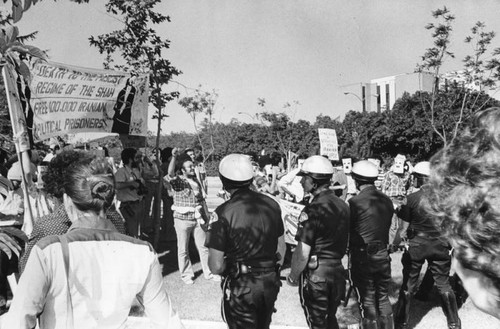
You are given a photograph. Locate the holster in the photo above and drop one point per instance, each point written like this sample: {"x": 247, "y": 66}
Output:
{"x": 313, "y": 262}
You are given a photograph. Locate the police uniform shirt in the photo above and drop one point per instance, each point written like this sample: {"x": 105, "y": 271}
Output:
{"x": 246, "y": 227}
{"x": 371, "y": 215}
{"x": 414, "y": 213}
{"x": 324, "y": 225}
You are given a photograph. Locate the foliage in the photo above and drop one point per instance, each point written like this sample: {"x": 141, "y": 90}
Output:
{"x": 202, "y": 103}
{"x": 18, "y": 9}
{"x": 482, "y": 71}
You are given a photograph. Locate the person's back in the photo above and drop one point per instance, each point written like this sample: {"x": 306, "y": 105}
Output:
{"x": 251, "y": 239}
{"x": 107, "y": 270}
{"x": 89, "y": 277}
{"x": 371, "y": 214}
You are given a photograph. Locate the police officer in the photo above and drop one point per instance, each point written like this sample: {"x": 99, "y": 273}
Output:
{"x": 243, "y": 243}
{"x": 371, "y": 214}
{"x": 322, "y": 242}
{"x": 425, "y": 243}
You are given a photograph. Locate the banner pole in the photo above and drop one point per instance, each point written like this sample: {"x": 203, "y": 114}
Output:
{"x": 15, "y": 118}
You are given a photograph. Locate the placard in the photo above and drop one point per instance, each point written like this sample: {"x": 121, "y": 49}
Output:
{"x": 328, "y": 143}
{"x": 399, "y": 164}
{"x": 347, "y": 165}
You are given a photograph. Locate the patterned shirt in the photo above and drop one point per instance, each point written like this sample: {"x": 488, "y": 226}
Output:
{"x": 185, "y": 195}
{"x": 393, "y": 185}
{"x": 58, "y": 223}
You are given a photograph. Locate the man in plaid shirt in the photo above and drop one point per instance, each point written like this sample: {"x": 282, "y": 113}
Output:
{"x": 393, "y": 186}
{"x": 189, "y": 212}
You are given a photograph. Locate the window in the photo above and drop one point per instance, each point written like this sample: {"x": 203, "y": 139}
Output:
{"x": 378, "y": 98}
{"x": 387, "y": 97}
{"x": 363, "y": 97}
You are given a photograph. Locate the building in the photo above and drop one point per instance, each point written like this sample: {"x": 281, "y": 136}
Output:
{"x": 381, "y": 94}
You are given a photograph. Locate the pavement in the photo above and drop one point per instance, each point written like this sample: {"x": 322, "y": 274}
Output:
{"x": 143, "y": 323}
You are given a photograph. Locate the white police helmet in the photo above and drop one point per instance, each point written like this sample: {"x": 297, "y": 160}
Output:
{"x": 235, "y": 170}
{"x": 317, "y": 167}
{"x": 422, "y": 168}
{"x": 365, "y": 171}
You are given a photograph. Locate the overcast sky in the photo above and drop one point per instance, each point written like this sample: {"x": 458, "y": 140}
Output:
{"x": 281, "y": 50}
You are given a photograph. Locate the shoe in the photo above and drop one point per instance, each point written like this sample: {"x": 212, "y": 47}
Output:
{"x": 188, "y": 281}
{"x": 214, "y": 277}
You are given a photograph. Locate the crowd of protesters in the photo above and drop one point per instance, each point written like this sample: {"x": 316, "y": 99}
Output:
{"x": 93, "y": 220}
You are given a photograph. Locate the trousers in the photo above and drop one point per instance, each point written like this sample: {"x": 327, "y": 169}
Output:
{"x": 371, "y": 276}
{"x": 133, "y": 213}
{"x": 248, "y": 301}
{"x": 436, "y": 252}
{"x": 184, "y": 229}
{"x": 321, "y": 291}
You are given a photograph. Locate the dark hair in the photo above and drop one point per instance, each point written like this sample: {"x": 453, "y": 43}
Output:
{"x": 181, "y": 160}
{"x": 166, "y": 153}
{"x": 54, "y": 176}
{"x": 90, "y": 184}
{"x": 188, "y": 150}
{"x": 128, "y": 154}
{"x": 106, "y": 151}
{"x": 464, "y": 195}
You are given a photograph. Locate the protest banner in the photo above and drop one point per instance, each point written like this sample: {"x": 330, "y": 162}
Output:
{"x": 21, "y": 140}
{"x": 69, "y": 99}
{"x": 290, "y": 212}
{"x": 328, "y": 143}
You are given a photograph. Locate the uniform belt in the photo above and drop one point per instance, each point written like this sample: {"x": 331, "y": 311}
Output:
{"x": 331, "y": 261}
{"x": 372, "y": 247}
{"x": 240, "y": 268}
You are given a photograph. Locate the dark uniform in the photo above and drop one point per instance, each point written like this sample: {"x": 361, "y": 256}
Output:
{"x": 324, "y": 226}
{"x": 371, "y": 215}
{"x": 246, "y": 228}
{"x": 425, "y": 243}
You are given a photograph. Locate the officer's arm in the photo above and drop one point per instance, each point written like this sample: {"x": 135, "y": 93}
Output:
{"x": 281, "y": 249}
{"x": 404, "y": 214}
{"x": 300, "y": 258}
{"x": 216, "y": 261}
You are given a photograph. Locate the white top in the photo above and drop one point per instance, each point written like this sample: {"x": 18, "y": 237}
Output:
{"x": 107, "y": 271}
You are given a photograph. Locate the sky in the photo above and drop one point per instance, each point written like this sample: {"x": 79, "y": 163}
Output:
{"x": 280, "y": 50}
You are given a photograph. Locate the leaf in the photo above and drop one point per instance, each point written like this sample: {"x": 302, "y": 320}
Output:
{"x": 17, "y": 10}
{"x": 36, "y": 52}
{"x": 25, "y": 72}
{"x": 12, "y": 33}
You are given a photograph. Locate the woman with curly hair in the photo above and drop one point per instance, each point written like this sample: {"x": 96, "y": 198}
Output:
{"x": 465, "y": 200}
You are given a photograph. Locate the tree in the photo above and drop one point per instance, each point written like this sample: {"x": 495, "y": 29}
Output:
{"x": 481, "y": 72}
{"x": 18, "y": 8}
{"x": 202, "y": 103}
{"x": 142, "y": 49}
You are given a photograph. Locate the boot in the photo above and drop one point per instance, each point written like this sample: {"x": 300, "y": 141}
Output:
{"x": 369, "y": 324}
{"x": 402, "y": 313}
{"x": 386, "y": 322}
{"x": 450, "y": 309}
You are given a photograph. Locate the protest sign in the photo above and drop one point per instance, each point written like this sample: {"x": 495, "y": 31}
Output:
{"x": 399, "y": 163}
{"x": 69, "y": 99}
{"x": 133, "y": 141}
{"x": 328, "y": 143}
{"x": 290, "y": 212}
{"x": 347, "y": 165}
